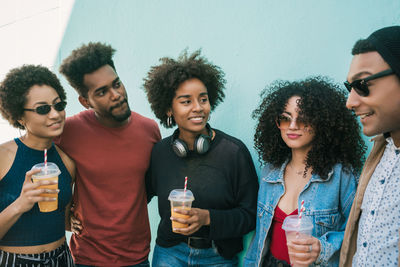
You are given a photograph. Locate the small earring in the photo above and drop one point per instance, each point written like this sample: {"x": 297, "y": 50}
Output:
{"x": 209, "y": 117}
{"x": 19, "y": 129}
{"x": 169, "y": 121}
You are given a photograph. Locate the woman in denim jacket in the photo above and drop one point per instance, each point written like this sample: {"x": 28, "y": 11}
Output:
{"x": 312, "y": 148}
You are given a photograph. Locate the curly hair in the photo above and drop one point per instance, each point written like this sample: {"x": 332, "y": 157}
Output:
{"x": 163, "y": 81}
{"x": 322, "y": 105}
{"x": 83, "y": 60}
{"x": 16, "y": 85}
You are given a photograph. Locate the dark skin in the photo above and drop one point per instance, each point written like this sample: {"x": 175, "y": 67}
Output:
{"x": 76, "y": 226}
{"x": 197, "y": 218}
{"x": 190, "y": 109}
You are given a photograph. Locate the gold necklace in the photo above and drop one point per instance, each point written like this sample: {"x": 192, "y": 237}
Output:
{"x": 296, "y": 171}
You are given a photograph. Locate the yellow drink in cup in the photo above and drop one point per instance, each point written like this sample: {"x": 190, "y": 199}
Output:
{"x": 183, "y": 200}
{"x": 178, "y": 215}
{"x": 50, "y": 172}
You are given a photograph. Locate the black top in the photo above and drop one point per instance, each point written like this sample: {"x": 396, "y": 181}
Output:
{"x": 223, "y": 180}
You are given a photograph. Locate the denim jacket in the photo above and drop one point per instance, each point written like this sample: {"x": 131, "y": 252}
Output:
{"x": 327, "y": 203}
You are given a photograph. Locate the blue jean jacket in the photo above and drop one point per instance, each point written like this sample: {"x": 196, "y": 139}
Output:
{"x": 327, "y": 203}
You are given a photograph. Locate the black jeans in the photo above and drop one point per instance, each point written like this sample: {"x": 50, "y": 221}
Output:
{"x": 271, "y": 261}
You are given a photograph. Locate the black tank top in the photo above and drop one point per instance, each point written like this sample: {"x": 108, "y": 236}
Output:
{"x": 34, "y": 227}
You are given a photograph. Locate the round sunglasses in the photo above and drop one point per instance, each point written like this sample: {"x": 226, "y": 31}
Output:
{"x": 361, "y": 86}
{"x": 283, "y": 122}
{"x": 45, "y": 109}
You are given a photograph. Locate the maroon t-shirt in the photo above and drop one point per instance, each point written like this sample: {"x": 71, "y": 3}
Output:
{"x": 110, "y": 197}
{"x": 278, "y": 245}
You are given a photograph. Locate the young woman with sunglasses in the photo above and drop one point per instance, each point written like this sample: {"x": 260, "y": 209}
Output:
{"x": 312, "y": 150}
{"x": 219, "y": 168}
{"x": 32, "y": 99}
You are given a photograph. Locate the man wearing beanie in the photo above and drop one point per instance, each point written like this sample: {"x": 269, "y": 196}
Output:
{"x": 372, "y": 232}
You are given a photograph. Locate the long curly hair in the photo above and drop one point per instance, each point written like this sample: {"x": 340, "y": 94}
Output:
{"x": 16, "y": 85}
{"x": 322, "y": 104}
{"x": 163, "y": 80}
{"x": 84, "y": 60}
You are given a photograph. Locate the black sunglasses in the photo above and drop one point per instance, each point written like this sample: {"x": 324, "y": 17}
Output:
{"x": 360, "y": 85}
{"x": 44, "y": 109}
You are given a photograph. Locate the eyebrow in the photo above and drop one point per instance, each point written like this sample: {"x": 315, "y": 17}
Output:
{"x": 183, "y": 96}
{"x": 45, "y": 103}
{"x": 187, "y": 96}
{"x": 106, "y": 86}
{"x": 115, "y": 80}
{"x": 358, "y": 75}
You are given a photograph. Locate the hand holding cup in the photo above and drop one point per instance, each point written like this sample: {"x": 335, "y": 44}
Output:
{"x": 31, "y": 192}
{"x": 307, "y": 251}
{"x": 48, "y": 172}
{"x": 298, "y": 231}
{"x": 181, "y": 200}
{"x": 197, "y": 218}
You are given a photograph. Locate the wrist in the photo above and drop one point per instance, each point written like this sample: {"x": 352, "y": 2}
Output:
{"x": 208, "y": 221}
{"x": 16, "y": 208}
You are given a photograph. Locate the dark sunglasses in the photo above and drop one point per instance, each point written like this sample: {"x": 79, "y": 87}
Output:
{"x": 360, "y": 85}
{"x": 44, "y": 109}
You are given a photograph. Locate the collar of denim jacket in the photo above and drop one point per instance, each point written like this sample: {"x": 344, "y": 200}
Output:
{"x": 275, "y": 175}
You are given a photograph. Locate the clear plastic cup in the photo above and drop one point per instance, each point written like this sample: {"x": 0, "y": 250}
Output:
{"x": 180, "y": 199}
{"x": 50, "y": 173}
{"x": 296, "y": 228}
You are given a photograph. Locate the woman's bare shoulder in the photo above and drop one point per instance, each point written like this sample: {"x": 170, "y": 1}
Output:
{"x": 8, "y": 150}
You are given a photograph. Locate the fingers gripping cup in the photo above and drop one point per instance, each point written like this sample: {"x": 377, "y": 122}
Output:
{"x": 50, "y": 173}
{"x": 180, "y": 198}
{"x": 297, "y": 228}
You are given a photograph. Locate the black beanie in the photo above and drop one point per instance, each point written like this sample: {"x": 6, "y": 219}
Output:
{"x": 387, "y": 43}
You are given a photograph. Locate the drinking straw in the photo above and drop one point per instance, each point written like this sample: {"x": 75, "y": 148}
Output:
{"x": 45, "y": 160}
{"x": 184, "y": 192}
{"x": 184, "y": 188}
{"x": 302, "y": 209}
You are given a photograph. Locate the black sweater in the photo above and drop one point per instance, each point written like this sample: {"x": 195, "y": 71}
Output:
{"x": 223, "y": 181}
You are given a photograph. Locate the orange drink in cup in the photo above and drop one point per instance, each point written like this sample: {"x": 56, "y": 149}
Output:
{"x": 49, "y": 171}
{"x": 297, "y": 228}
{"x": 179, "y": 198}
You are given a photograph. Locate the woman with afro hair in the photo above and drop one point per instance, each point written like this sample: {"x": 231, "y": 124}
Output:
{"x": 312, "y": 150}
{"x": 32, "y": 99}
{"x": 218, "y": 167}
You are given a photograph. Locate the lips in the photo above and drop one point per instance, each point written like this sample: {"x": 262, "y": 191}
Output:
{"x": 197, "y": 119}
{"x": 364, "y": 115}
{"x": 57, "y": 124}
{"x": 118, "y": 105}
{"x": 293, "y": 136}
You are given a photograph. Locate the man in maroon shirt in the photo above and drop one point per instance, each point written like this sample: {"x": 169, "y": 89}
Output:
{"x": 111, "y": 146}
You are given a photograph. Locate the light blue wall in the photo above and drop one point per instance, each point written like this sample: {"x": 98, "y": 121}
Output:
{"x": 254, "y": 42}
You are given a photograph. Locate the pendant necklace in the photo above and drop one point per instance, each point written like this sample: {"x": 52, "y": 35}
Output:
{"x": 296, "y": 171}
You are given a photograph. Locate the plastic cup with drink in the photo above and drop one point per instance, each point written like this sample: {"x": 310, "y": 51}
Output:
{"x": 48, "y": 171}
{"x": 180, "y": 198}
{"x": 297, "y": 227}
